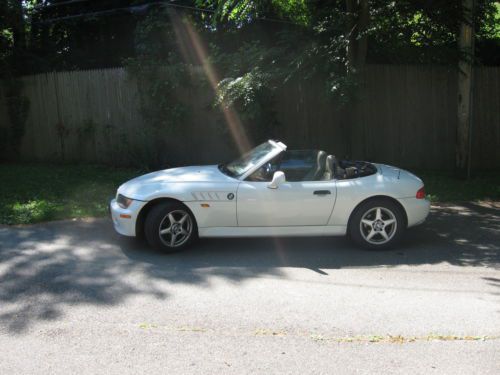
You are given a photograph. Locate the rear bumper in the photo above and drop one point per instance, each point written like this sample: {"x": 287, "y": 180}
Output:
{"x": 417, "y": 210}
{"x": 124, "y": 219}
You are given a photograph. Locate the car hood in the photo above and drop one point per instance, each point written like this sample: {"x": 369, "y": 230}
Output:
{"x": 159, "y": 180}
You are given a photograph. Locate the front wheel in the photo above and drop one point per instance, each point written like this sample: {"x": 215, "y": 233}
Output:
{"x": 377, "y": 224}
{"x": 170, "y": 227}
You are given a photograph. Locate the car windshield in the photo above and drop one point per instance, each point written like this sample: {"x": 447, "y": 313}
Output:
{"x": 246, "y": 162}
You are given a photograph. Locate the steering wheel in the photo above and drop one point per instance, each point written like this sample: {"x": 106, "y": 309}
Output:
{"x": 268, "y": 168}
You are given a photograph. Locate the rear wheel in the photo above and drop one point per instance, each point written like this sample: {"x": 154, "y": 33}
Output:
{"x": 377, "y": 224}
{"x": 170, "y": 227}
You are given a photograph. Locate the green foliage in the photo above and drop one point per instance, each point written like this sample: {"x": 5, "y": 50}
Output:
{"x": 296, "y": 10}
{"x": 488, "y": 20}
{"x": 159, "y": 71}
{"x": 311, "y": 43}
{"x": 160, "y": 74}
{"x": 249, "y": 86}
{"x": 158, "y": 82}
{"x": 167, "y": 63}
{"x": 30, "y": 212}
{"x": 314, "y": 39}
{"x": 79, "y": 36}
{"x": 252, "y": 97}
{"x": 243, "y": 90}
{"x": 259, "y": 47}
{"x": 31, "y": 193}
{"x": 247, "y": 11}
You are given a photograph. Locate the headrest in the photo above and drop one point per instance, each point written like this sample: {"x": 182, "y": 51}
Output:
{"x": 329, "y": 163}
{"x": 321, "y": 157}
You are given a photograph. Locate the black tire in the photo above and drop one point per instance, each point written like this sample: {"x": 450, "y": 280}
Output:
{"x": 368, "y": 211}
{"x": 159, "y": 218}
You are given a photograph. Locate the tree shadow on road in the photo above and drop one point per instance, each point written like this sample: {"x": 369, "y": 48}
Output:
{"x": 47, "y": 268}
{"x": 44, "y": 268}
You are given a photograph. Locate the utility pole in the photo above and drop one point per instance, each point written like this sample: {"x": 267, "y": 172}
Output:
{"x": 465, "y": 73}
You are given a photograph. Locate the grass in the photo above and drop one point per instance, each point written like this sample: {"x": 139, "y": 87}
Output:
{"x": 31, "y": 193}
{"x": 443, "y": 187}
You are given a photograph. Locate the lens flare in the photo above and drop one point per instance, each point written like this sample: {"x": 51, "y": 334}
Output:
{"x": 186, "y": 33}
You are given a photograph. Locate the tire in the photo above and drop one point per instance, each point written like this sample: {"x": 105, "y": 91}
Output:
{"x": 377, "y": 224}
{"x": 170, "y": 227}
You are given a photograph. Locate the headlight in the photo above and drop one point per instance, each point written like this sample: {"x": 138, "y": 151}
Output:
{"x": 123, "y": 201}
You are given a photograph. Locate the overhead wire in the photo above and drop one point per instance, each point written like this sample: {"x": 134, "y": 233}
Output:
{"x": 134, "y": 8}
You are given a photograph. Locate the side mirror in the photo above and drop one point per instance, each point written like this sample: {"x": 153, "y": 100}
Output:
{"x": 278, "y": 179}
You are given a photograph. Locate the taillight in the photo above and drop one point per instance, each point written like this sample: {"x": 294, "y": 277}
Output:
{"x": 420, "y": 193}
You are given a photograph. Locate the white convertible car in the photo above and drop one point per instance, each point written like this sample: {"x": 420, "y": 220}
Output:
{"x": 271, "y": 191}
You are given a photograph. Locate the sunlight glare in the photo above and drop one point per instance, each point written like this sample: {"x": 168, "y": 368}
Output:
{"x": 184, "y": 27}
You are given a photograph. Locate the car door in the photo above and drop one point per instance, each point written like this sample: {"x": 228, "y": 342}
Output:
{"x": 293, "y": 203}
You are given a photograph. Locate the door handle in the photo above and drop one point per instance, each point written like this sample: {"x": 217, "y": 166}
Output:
{"x": 322, "y": 192}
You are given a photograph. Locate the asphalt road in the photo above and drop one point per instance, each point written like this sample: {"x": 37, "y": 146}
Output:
{"x": 75, "y": 298}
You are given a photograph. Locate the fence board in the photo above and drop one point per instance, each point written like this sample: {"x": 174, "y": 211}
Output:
{"x": 405, "y": 115}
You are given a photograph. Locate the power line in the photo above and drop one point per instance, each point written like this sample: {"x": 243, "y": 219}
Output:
{"x": 135, "y": 9}
{"x": 52, "y": 5}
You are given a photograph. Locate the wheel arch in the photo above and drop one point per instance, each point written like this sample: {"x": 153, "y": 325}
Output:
{"x": 377, "y": 197}
{"x": 143, "y": 213}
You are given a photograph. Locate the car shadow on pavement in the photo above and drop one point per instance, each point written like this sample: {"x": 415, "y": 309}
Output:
{"x": 46, "y": 269}
{"x": 458, "y": 235}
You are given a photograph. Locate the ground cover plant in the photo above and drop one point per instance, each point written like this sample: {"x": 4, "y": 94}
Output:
{"x": 31, "y": 193}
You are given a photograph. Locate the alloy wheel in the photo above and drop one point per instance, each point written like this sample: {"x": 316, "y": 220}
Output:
{"x": 378, "y": 225}
{"x": 176, "y": 228}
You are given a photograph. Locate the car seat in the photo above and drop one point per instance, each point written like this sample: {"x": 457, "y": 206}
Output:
{"x": 316, "y": 173}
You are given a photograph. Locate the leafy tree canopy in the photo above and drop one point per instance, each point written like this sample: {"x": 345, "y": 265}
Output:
{"x": 42, "y": 35}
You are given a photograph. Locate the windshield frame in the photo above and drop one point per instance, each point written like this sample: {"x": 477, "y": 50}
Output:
{"x": 277, "y": 148}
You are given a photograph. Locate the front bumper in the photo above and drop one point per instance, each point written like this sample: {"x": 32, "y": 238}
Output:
{"x": 417, "y": 210}
{"x": 124, "y": 219}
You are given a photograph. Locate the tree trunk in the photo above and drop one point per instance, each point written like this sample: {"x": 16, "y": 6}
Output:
{"x": 465, "y": 70}
{"x": 362, "y": 45}
{"x": 18, "y": 30}
{"x": 351, "y": 34}
{"x": 357, "y": 24}
{"x": 356, "y": 50}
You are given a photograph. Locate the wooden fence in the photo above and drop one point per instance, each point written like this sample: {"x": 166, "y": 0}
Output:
{"x": 405, "y": 115}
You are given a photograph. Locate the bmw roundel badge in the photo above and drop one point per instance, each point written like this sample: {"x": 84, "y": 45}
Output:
{"x": 230, "y": 196}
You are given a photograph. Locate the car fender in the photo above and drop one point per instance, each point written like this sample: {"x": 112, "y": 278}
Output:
{"x": 351, "y": 192}
{"x": 212, "y": 203}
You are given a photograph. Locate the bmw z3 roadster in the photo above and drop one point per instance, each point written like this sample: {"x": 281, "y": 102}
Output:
{"x": 272, "y": 191}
